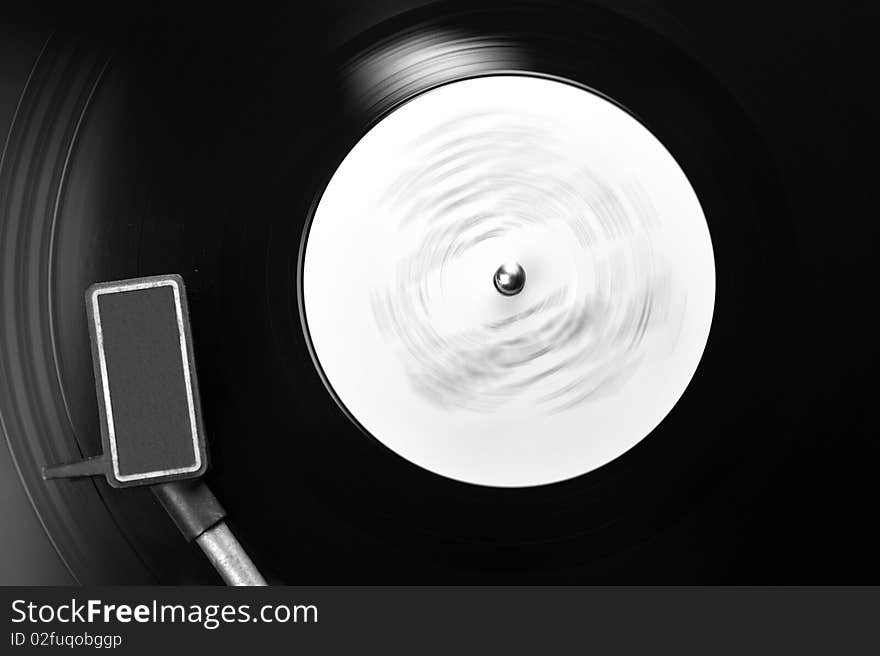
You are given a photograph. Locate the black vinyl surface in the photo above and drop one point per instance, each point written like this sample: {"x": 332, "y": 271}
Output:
{"x": 198, "y": 144}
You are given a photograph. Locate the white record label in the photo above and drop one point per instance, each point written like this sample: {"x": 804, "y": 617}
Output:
{"x": 544, "y": 382}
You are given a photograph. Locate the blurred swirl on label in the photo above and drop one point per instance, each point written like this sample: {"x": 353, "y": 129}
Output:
{"x": 595, "y": 305}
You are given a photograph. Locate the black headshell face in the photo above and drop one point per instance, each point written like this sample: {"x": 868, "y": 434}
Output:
{"x": 146, "y": 381}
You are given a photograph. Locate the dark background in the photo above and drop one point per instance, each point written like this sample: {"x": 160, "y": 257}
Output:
{"x": 198, "y": 149}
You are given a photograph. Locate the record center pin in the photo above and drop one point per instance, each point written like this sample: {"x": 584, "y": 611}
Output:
{"x": 510, "y": 278}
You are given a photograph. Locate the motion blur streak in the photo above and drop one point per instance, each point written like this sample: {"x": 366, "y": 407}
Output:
{"x": 492, "y": 176}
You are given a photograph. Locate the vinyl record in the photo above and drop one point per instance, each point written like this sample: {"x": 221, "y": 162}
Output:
{"x": 296, "y": 181}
